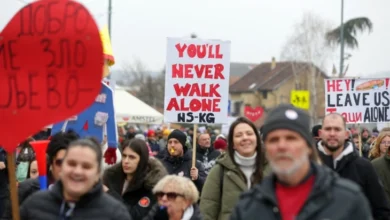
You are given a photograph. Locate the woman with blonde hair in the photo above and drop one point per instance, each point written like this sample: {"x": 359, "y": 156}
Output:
{"x": 381, "y": 144}
{"x": 177, "y": 199}
{"x": 381, "y": 163}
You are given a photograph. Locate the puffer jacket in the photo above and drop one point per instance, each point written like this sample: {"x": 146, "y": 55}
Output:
{"x": 138, "y": 196}
{"x": 331, "y": 198}
{"x": 217, "y": 202}
{"x": 95, "y": 205}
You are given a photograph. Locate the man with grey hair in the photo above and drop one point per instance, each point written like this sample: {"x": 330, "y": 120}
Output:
{"x": 299, "y": 188}
{"x": 205, "y": 152}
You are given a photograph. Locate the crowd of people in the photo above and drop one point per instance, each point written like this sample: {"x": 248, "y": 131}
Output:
{"x": 283, "y": 170}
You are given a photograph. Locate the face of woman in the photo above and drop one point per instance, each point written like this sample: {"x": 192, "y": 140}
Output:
{"x": 79, "y": 171}
{"x": 173, "y": 200}
{"x": 34, "y": 170}
{"x": 244, "y": 140}
{"x": 384, "y": 145}
{"x": 130, "y": 160}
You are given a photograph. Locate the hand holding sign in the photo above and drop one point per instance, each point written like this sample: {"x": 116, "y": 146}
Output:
{"x": 51, "y": 61}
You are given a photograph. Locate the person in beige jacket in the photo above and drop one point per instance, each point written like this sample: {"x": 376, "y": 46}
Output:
{"x": 236, "y": 171}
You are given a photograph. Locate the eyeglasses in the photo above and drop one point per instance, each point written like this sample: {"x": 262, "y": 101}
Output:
{"x": 170, "y": 195}
{"x": 58, "y": 162}
{"x": 385, "y": 142}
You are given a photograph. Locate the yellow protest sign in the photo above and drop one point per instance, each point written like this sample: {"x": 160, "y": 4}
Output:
{"x": 300, "y": 99}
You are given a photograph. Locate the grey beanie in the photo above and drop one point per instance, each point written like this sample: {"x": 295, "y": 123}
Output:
{"x": 291, "y": 118}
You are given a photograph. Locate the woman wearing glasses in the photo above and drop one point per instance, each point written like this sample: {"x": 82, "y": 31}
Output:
{"x": 78, "y": 195}
{"x": 177, "y": 199}
{"x": 379, "y": 149}
{"x": 132, "y": 180}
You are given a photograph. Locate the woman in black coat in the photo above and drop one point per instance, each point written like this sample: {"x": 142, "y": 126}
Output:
{"x": 132, "y": 180}
{"x": 78, "y": 195}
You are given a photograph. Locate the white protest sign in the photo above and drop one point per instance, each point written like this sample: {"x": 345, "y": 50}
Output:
{"x": 197, "y": 81}
{"x": 358, "y": 100}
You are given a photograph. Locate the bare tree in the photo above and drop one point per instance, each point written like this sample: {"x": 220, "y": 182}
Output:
{"x": 146, "y": 86}
{"x": 307, "y": 48}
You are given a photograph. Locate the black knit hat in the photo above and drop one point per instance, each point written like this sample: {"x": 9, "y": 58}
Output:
{"x": 180, "y": 136}
{"x": 290, "y": 118}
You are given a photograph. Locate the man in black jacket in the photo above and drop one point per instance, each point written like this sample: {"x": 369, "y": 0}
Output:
{"x": 341, "y": 156}
{"x": 178, "y": 159}
{"x": 299, "y": 187}
{"x": 205, "y": 152}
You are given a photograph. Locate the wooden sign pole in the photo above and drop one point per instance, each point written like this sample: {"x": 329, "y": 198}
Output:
{"x": 12, "y": 185}
{"x": 194, "y": 145}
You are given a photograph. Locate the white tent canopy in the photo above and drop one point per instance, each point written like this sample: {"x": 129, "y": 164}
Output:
{"x": 130, "y": 109}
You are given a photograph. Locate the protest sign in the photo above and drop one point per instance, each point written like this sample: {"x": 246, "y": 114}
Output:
{"x": 197, "y": 81}
{"x": 300, "y": 99}
{"x": 358, "y": 100}
{"x": 253, "y": 114}
{"x": 51, "y": 61}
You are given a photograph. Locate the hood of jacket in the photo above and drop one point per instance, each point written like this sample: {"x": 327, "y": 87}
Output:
{"x": 227, "y": 162}
{"x": 348, "y": 154}
{"x": 156, "y": 171}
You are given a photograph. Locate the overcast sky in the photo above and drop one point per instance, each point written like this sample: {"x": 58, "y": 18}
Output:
{"x": 257, "y": 29}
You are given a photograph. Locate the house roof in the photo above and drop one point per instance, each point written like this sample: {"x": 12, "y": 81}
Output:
{"x": 263, "y": 78}
{"x": 233, "y": 79}
{"x": 240, "y": 69}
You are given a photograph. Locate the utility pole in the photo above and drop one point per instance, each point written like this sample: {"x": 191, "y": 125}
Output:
{"x": 109, "y": 25}
{"x": 109, "y": 16}
{"x": 342, "y": 40}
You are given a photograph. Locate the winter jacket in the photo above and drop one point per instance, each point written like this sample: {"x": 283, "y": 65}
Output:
{"x": 156, "y": 213}
{"x": 154, "y": 146}
{"x": 351, "y": 166}
{"x": 95, "y": 205}
{"x": 382, "y": 167}
{"x": 217, "y": 202}
{"x": 207, "y": 156}
{"x": 330, "y": 198}
{"x": 182, "y": 166}
{"x": 138, "y": 197}
{"x": 27, "y": 188}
